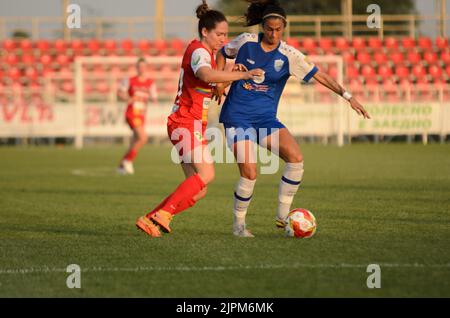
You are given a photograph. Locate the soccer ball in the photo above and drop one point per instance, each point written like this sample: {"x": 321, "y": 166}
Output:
{"x": 300, "y": 223}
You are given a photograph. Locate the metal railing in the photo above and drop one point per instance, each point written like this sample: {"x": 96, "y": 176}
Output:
{"x": 144, "y": 27}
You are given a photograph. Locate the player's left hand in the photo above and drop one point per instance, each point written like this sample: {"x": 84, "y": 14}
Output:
{"x": 218, "y": 92}
{"x": 358, "y": 108}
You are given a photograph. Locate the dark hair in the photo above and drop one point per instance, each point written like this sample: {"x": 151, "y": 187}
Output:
{"x": 259, "y": 10}
{"x": 140, "y": 60}
{"x": 208, "y": 18}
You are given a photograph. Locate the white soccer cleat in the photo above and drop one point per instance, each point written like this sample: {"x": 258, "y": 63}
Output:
{"x": 241, "y": 231}
{"x": 126, "y": 167}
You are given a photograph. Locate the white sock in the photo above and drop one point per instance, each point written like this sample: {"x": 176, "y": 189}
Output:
{"x": 242, "y": 197}
{"x": 289, "y": 184}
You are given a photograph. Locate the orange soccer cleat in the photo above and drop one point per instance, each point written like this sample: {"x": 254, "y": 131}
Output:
{"x": 147, "y": 226}
{"x": 162, "y": 218}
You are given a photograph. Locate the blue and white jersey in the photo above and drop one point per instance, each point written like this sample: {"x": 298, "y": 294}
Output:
{"x": 257, "y": 100}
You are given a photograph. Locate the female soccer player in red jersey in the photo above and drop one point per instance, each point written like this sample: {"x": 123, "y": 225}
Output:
{"x": 187, "y": 124}
{"x": 137, "y": 91}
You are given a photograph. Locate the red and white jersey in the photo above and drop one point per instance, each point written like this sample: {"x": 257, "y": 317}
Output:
{"x": 194, "y": 95}
{"x": 143, "y": 90}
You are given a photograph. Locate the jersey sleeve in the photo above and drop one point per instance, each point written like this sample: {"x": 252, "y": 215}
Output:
{"x": 300, "y": 66}
{"x": 200, "y": 58}
{"x": 231, "y": 49}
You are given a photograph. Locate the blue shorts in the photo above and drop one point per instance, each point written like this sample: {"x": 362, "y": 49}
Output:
{"x": 255, "y": 132}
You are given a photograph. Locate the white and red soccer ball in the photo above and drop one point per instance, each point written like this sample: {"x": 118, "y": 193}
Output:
{"x": 300, "y": 223}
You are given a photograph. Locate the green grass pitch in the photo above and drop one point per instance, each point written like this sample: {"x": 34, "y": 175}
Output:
{"x": 375, "y": 204}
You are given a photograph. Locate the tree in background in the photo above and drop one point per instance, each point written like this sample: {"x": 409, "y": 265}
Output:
{"x": 317, "y": 7}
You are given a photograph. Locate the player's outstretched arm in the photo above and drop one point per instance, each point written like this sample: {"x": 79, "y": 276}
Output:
{"x": 208, "y": 75}
{"x": 329, "y": 82}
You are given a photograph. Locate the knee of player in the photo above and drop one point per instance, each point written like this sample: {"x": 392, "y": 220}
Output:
{"x": 250, "y": 174}
{"x": 143, "y": 139}
{"x": 295, "y": 157}
{"x": 207, "y": 176}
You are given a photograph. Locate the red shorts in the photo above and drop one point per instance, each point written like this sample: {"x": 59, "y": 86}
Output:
{"x": 186, "y": 136}
{"x": 135, "y": 121}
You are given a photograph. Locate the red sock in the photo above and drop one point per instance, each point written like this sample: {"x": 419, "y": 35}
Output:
{"x": 182, "y": 197}
{"x": 185, "y": 204}
{"x": 130, "y": 155}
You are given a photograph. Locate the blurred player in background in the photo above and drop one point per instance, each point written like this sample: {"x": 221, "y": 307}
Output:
{"x": 187, "y": 124}
{"x": 138, "y": 91}
{"x": 251, "y": 106}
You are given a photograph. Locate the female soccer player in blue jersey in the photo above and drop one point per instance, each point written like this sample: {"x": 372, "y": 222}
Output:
{"x": 249, "y": 111}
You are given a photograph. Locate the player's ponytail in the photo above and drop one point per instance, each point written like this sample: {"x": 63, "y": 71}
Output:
{"x": 259, "y": 10}
{"x": 208, "y": 18}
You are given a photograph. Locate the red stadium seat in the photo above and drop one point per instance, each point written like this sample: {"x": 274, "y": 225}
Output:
{"x": 294, "y": 42}
{"x": 348, "y": 57}
{"x": 160, "y": 46}
{"x": 419, "y": 71}
{"x": 26, "y": 45}
{"x": 384, "y": 71}
{"x": 46, "y": 60}
{"x": 127, "y": 46}
{"x": 358, "y": 43}
{"x": 445, "y": 57}
{"x": 43, "y": 46}
{"x": 435, "y": 71}
{"x": 68, "y": 87}
{"x": 109, "y": 46}
{"x": 430, "y": 57}
{"x": 442, "y": 43}
{"x": 447, "y": 71}
{"x": 341, "y": 44}
{"x": 351, "y": 72}
{"x": 326, "y": 44}
{"x": 333, "y": 71}
{"x": 380, "y": 57}
{"x": 178, "y": 46}
{"x": 390, "y": 90}
{"x": 425, "y": 43}
{"x": 93, "y": 46}
{"x": 401, "y": 72}
{"x": 9, "y": 45}
{"x": 363, "y": 58}
{"x": 60, "y": 46}
{"x": 63, "y": 60}
{"x": 413, "y": 57}
{"x": 375, "y": 43}
{"x": 308, "y": 45}
{"x": 77, "y": 46}
{"x": 28, "y": 59}
{"x": 408, "y": 43}
{"x": 102, "y": 87}
{"x": 31, "y": 73}
{"x": 391, "y": 43}
{"x": 14, "y": 73}
{"x": 144, "y": 46}
{"x": 12, "y": 59}
{"x": 397, "y": 58}
{"x": 368, "y": 71}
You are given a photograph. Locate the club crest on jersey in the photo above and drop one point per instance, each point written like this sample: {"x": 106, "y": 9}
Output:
{"x": 278, "y": 64}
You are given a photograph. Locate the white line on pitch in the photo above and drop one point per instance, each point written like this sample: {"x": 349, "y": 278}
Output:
{"x": 46, "y": 269}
